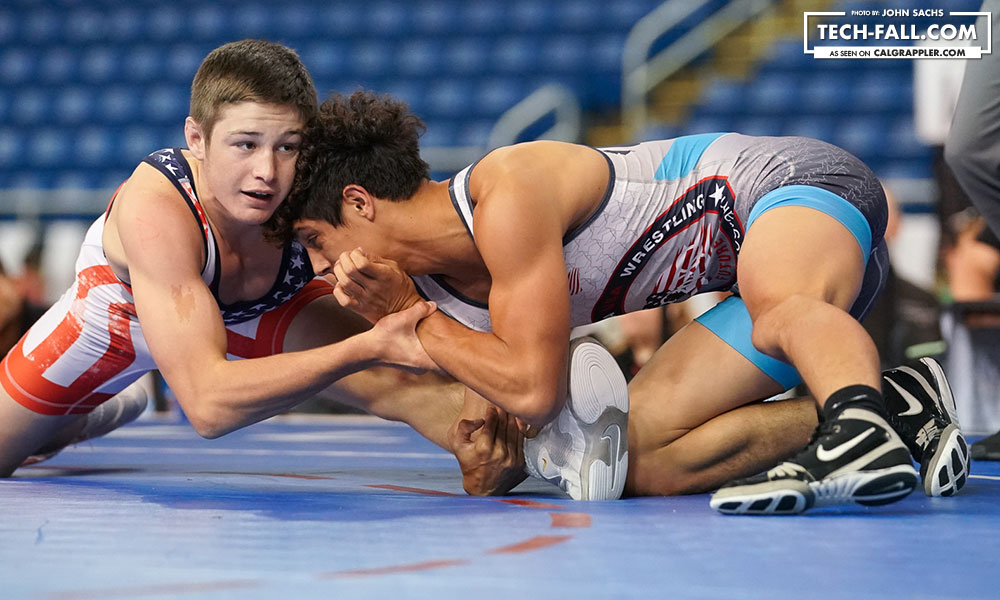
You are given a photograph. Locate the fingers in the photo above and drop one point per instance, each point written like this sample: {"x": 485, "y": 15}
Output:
{"x": 487, "y": 438}
{"x": 466, "y": 427}
{"x": 514, "y": 442}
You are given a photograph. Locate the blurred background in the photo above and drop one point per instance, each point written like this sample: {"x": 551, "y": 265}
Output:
{"x": 89, "y": 88}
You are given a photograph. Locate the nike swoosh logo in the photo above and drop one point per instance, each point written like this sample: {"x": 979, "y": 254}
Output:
{"x": 913, "y": 406}
{"x": 613, "y": 433}
{"x": 827, "y": 455}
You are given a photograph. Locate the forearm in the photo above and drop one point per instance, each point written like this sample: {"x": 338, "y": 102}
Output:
{"x": 228, "y": 395}
{"x": 500, "y": 373}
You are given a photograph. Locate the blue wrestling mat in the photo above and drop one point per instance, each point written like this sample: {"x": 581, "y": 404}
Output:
{"x": 355, "y": 507}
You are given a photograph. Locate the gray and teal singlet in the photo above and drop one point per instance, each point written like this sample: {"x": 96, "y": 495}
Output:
{"x": 672, "y": 221}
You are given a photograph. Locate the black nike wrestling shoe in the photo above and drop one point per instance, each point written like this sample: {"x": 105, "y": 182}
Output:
{"x": 852, "y": 457}
{"x": 922, "y": 410}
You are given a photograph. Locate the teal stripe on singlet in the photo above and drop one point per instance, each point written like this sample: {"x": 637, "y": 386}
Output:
{"x": 683, "y": 155}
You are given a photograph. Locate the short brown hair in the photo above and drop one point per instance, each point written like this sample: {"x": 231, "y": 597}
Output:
{"x": 250, "y": 71}
{"x": 363, "y": 139}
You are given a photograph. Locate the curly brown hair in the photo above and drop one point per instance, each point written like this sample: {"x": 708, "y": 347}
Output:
{"x": 363, "y": 139}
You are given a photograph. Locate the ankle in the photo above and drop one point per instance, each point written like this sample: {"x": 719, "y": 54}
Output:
{"x": 854, "y": 396}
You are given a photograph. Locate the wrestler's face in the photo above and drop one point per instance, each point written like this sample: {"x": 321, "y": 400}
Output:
{"x": 324, "y": 242}
{"x": 249, "y": 163}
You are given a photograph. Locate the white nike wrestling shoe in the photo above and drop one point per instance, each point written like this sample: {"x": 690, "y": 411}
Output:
{"x": 584, "y": 451}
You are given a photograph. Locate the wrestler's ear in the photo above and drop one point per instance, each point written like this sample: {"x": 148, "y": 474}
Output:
{"x": 195, "y": 138}
{"x": 358, "y": 202}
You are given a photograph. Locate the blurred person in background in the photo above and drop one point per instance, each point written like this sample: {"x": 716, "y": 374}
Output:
{"x": 972, "y": 150}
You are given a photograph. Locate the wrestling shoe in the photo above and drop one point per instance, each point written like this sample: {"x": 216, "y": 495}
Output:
{"x": 854, "y": 457}
{"x": 987, "y": 448}
{"x": 584, "y": 451}
{"x": 120, "y": 409}
{"x": 922, "y": 410}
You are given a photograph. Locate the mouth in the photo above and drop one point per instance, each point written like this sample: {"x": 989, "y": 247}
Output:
{"x": 260, "y": 196}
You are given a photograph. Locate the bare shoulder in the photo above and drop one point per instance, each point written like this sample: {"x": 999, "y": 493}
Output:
{"x": 570, "y": 178}
{"x": 148, "y": 212}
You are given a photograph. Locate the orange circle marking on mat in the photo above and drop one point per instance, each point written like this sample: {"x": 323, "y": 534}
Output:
{"x": 399, "y": 488}
{"x": 570, "y": 519}
{"x": 421, "y": 566}
{"x": 535, "y": 543}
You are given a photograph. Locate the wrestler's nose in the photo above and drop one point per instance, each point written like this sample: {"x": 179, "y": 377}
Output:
{"x": 321, "y": 264}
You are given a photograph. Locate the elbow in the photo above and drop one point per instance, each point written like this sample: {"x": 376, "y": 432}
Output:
{"x": 539, "y": 407}
{"x": 205, "y": 419}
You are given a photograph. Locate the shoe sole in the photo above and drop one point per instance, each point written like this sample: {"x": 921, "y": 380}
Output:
{"x": 868, "y": 488}
{"x": 948, "y": 468}
{"x": 598, "y": 398}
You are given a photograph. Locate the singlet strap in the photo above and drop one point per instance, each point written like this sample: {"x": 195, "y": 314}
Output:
{"x": 173, "y": 165}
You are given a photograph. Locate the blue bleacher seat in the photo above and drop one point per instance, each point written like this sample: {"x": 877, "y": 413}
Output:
{"x": 342, "y": 20}
{"x": 708, "y": 124}
{"x": 449, "y": 97}
{"x": 42, "y": 26}
{"x": 516, "y": 53}
{"x": 371, "y": 58}
{"x": 209, "y": 22}
{"x": 17, "y": 65}
{"x": 722, "y": 96}
{"x": 482, "y": 16}
{"x": 440, "y": 133}
{"x": 82, "y": 24}
{"x": 144, "y": 63}
{"x": 58, "y": 66}
{"x": 862, "y": 135}
{"x": 8, "y": 26}
{"x": 564, "y": 53}
{"x": 164, "y": 104}
{"x": 475, "y": 132}
{"x": 182, "y": 63}
{"x": 100, "y": 64}
{"x": 388, "y": 19}
{"x": 137, "y": 142}
{"x": 420, "y": 57}
{"x": 95, "y": 146}
{"x": 773, "y": 93}
{"x": 74, "y": 105}
{"x": 495, "y": 95}
{"x": 32, "y": 106}
{"x": 468, "y": 56}
{"x": 758, "y": 125}
{"x": 825, "y": 92}
{"x": 125, "y": 24}
{"x": 122, "y": 103}
{"x": 11, "y": 148}
{"x": 820, "y": 127}
{"x": 50, "y": 147}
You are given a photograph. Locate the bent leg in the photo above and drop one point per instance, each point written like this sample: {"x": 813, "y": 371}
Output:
{"x": 694, "y": 424}
{"x": 799, "y": 272}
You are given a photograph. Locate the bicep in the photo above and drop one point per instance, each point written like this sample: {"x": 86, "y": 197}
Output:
{"x": 529, "y": 301}
{"x": 179, "y": 317}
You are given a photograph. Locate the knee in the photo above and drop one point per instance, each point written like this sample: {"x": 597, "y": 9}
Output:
{"x": 771, "y": 324}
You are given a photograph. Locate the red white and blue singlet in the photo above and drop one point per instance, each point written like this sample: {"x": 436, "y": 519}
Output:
{"x": 89, "y": 345}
